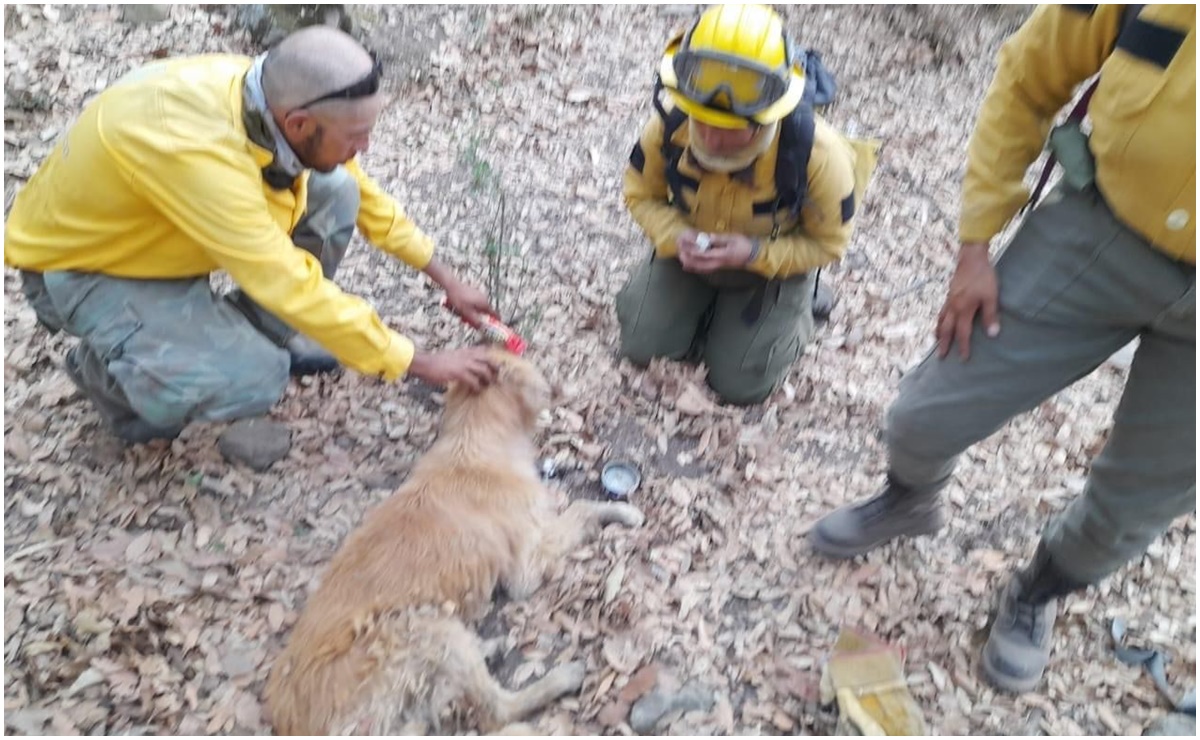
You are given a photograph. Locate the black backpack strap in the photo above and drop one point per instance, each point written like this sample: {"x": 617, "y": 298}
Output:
{"x": 791, "y": 163}
{"x": 797, "y": 140}
{"x": 670, "y": 150}
{"x": 637, "y": 157}
{"x": 672, "y": 153}
{"x": 799, "y": 129}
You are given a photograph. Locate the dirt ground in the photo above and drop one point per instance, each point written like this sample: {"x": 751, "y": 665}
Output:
{"x": 148, "y": 589}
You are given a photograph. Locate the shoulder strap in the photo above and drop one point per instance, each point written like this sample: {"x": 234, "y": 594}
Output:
{"x": 791, "y": 162}
{"x": 672, "y": 119}
{"x": 671, "y": 152}
{"x": 1129, "y": 14}
{"x": 671, "y": 124}
{"x": 799, "y": 128}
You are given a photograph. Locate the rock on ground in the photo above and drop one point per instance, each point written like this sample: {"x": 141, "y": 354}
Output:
{"x": 257, "y": 443}
{"x": 658, "y": 704}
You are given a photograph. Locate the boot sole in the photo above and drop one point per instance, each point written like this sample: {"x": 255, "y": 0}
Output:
{"x": 836, "y": 550}
{"x": 1008, "y": 683}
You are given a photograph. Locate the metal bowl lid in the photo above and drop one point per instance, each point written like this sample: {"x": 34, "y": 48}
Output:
{"x": 620, "y": 478}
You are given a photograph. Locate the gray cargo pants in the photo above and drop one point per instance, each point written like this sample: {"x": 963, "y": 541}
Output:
{"x": 1075, "y": 286}
{"x": 154, "y": 355}
{"x": 747, "y": 329}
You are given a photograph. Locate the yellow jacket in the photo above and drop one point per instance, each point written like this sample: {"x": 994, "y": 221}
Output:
{"x": 1143, "y": 118}
{"x": 724, "y": 203}
{"x": 158, "y": 180}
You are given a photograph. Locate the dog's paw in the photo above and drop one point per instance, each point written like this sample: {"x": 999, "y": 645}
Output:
{"x": 626, "y": 514}
{"x": 568, "y": 679}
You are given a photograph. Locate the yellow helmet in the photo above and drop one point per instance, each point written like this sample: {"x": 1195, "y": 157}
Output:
{"x": 734, "y": 67}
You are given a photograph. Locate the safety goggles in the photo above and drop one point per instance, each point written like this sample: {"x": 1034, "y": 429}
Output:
{"x": 364, "y": 88}
{"x": 729, "y": 83}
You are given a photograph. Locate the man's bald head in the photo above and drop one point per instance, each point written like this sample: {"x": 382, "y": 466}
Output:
{"x": 312, "y": 62}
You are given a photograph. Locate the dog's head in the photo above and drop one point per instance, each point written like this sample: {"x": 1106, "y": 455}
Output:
{"x": 520, "y": 390}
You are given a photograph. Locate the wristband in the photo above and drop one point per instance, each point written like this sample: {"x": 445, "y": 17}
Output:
{"x": 755, "y": 246}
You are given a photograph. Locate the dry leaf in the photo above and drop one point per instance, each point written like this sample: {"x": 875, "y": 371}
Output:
{"x": 138, "y": 547}
{"x": 693, "y": 402}
{"x": 89, "y": 677}
{"x": 275, "y": 616}
{"x": 248, "y": 711}
{"x": 622, "y": 652}
{"x": 639, "y": 683}
{"x": 605, "y": 684}
{"x": 783, "y": 722}
{"x": 613, "y": 713}
{"x": 16, "y": 446}
{"x": 1109, "y": 719}
{"x": 612, "y": 584}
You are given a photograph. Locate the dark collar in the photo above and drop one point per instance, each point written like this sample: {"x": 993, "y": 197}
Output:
{"x": 275, "y": 175}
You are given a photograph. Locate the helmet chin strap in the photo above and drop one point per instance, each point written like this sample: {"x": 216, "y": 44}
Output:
{"x": 732, "y": 162}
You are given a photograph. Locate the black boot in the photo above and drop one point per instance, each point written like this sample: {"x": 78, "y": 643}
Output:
{"x": 896, "y": 511}
{"x": 1018, "y": 647}
{"x": 823, "y": 298}
{"x": 308, "y": 357}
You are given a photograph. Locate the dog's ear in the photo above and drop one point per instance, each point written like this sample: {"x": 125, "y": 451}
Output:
{"x": 531, "y": 387}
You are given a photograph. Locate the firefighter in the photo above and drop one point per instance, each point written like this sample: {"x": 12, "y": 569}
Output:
{"x": 744, "y": 194}
{"x": 1108, "y": 257}
{"x": 199, "y": 164}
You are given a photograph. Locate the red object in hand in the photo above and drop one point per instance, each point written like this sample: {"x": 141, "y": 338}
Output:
{"x": 501, "y": 334}
{"x": 496, "y": 331}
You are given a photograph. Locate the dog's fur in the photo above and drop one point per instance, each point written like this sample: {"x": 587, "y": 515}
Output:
{"x": 384, "y": 646}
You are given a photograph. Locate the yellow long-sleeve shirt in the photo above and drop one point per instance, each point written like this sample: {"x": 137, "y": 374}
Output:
{"x": 724, "y": 203}
{"x": 158, "y": 180}
{"x": 1143, "y": 117}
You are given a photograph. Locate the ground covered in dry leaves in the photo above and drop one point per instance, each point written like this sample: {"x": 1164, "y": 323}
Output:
{"x": 148, "y": 589}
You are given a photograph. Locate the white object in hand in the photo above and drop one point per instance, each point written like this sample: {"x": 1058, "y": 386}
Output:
{"x": 703, "y": 242}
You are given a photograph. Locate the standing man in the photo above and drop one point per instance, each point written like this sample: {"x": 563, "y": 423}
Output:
{"x": 207, "y": 163}
{"x": 1109, "y": 257}
{"x": 744, "y": 193}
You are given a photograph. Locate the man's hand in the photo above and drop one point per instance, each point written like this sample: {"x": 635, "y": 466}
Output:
{"x": 973, "y": 289}
{"x": 725, "y": 252}
{"x": 469, "y": 302}
{"x": 466, "y": 300}
{"x": 472, "y": 367}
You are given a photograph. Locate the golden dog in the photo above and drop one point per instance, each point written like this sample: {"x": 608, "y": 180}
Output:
{"x": 383, "y": 646}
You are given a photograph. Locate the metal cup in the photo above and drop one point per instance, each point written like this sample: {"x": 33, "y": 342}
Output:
{"x": 620, "y": 479}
